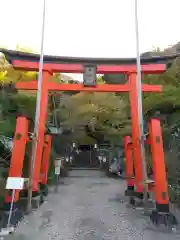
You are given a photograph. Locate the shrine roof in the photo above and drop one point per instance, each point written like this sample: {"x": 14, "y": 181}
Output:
{"x": 12, "y": 55}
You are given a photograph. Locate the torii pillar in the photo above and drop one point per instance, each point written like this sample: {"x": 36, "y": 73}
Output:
{"x": 136, "y": 133}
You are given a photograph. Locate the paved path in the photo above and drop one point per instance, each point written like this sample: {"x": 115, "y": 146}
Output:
{"x": 88, "y": 208}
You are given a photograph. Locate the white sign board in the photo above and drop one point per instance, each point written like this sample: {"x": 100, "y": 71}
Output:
{"x": 6, "y": 231}
{"x": 15, "y": 183}
{"x": 58, "y": 162}
{"x": 57, "y": 170}
{"x": 89, "y": 75}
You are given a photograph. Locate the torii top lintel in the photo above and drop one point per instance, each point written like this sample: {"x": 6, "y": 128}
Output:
{"x": 30, "y": 62}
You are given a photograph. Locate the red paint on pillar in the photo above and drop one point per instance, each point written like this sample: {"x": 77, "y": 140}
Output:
{"x": 136, "y": 132}
{"x": 41, "y": 129}
{"x": 18, "y": 152}
{"x": 45, "y": 160}
{"x": 129, "y": 161}
{"x": 158, "y": 162}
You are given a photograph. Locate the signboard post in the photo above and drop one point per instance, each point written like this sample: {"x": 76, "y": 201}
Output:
{"x": 13, "y": 183}
{"x": 58, "y": 163}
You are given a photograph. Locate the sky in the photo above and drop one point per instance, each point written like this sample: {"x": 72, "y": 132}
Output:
{"x": 89, "y": 28}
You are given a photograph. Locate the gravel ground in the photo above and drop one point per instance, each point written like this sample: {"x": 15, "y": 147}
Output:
{"x": 88, "y": 206}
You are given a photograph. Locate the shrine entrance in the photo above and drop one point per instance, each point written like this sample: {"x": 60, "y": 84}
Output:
{"x": 90, "y": 67}
{"x": 85, "y": 156}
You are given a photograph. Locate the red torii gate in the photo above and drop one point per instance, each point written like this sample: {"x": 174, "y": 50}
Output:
{"x": 131, "y": 87}
{"x": 30, "y": 62}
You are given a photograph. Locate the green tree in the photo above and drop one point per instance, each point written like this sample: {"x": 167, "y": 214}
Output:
{"x": 104, "y": 114}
